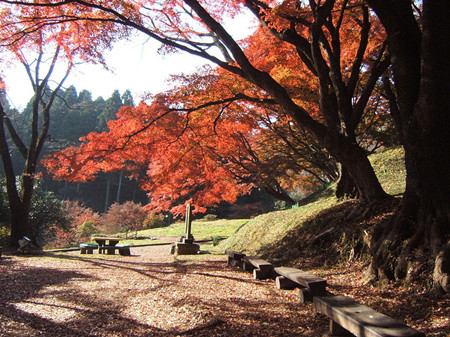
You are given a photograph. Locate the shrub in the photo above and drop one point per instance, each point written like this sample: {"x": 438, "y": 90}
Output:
{"x": 154, "y": 221}
{"x": 46, "y": 213}
{"x": 209, "y": 217}
{"x": 5, "y": 232}
{"x": 69, "y": 235}
{"x": 86, "y": 229}
{"x": 123, "y": 217}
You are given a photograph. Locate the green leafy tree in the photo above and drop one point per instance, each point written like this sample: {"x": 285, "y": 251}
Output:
{"x": 46, "y": 212}
{"x": 86, "y": 229}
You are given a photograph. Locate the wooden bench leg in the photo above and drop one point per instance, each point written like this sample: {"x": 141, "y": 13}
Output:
{"x": 124, "y": 251}
{"x": 337, "y": 331}
{"x": 285, "y": 283}
{"x": 82, "y": 250}
{"x": 248, "y": 267}
{"x": 260, "y": 274}
{"x": 305, "y": 295}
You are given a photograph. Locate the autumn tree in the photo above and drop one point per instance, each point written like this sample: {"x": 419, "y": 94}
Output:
{"x": 315, "y": 32}
{"x": 41, "y": 49}
{"x": 215, "y": 146}
{"x": 244, "y": 153}
{"x": 271, "y": 152}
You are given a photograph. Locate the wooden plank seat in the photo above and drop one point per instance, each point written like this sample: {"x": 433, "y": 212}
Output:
{"x": 87, "y": 248}
{"x": 111, "y": 250}
{"x": 309, "y": 285}
{"x": 235, "y": 259}
{"x": 261, "y": 268}
{"x": 348, "y": 317}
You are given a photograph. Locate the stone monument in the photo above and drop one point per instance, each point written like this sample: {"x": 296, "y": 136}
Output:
{"x": 185, "y": 244}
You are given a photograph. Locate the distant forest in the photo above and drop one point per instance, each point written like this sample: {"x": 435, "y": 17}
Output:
{"x": 74, "y": 115}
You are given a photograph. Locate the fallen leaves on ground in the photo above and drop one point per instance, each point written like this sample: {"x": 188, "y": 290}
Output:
{"x": 152, "y": 293}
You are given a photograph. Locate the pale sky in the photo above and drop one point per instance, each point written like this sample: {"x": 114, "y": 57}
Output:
{"x": 135, "y": 65}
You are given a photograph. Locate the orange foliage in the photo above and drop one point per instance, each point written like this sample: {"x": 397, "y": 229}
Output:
{"x": 199, "y": 152}
{"x": 56, "y": 27}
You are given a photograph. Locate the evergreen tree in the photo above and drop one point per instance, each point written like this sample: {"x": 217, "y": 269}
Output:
{"x": 112, "y": 106}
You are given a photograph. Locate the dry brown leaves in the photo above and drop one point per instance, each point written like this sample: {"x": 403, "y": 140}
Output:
{"x": 155, "y": 294}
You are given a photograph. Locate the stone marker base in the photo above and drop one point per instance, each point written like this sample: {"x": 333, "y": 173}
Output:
{"x": 180, "y": 248}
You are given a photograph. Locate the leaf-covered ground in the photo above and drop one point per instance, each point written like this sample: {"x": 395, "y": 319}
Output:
{"x": 152, "y": 293}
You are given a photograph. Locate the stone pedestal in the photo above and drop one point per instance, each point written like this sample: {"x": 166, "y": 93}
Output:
{"x": 180, "y": 248}
{"x": 185, "y": 244}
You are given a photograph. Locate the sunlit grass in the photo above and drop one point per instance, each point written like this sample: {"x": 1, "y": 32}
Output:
{"x": 389, "y": 166}
{"x": 201, "y": 230}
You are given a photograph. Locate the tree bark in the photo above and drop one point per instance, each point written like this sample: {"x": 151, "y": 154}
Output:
{"x": 422, "y": 223}
{"x": 346, "y": 187}
{"x": 278, "y": 193}
{"x": 20, "y": 225}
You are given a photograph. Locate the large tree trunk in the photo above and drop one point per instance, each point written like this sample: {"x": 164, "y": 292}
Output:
{"x": 20, "y": 224}
{"x": 346, "y": 187}
{"x": 421, "y": 225}
{"x": 358, "y": 168}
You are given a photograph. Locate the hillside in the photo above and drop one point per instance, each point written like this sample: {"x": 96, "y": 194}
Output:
{"x": 325, "y": 230}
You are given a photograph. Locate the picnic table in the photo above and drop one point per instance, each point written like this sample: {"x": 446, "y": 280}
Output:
{"x": 106, "y": 244}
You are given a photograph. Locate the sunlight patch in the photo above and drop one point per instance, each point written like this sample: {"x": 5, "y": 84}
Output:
{"x": 51, "y": 309}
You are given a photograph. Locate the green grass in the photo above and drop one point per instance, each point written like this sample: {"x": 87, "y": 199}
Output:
{"x": 389, "y": 166}
{"x": 267, "y": 228}
{"x": 201, "y": 230}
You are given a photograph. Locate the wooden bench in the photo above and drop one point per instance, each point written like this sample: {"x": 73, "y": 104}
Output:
{"x": 348, "y": 318}
{"x": 261, "y": 268}
{"x": 309, "y": 285}
{"x": 87, "y": 248}
{"x": 111, "y": 250}
{"x": 235, "y": 259}
{"x": 124, "y": 250}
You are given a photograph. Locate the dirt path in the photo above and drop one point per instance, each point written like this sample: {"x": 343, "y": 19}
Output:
{"x": 148, "y": 294}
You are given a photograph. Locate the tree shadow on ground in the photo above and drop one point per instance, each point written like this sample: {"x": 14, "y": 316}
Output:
{"x": 32, "y": 288}
{"x": 90, "y": 315}
{"x": 146, "y": 268}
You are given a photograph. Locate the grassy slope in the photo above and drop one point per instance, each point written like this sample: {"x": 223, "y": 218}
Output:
{"x": 274, "y": 229}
